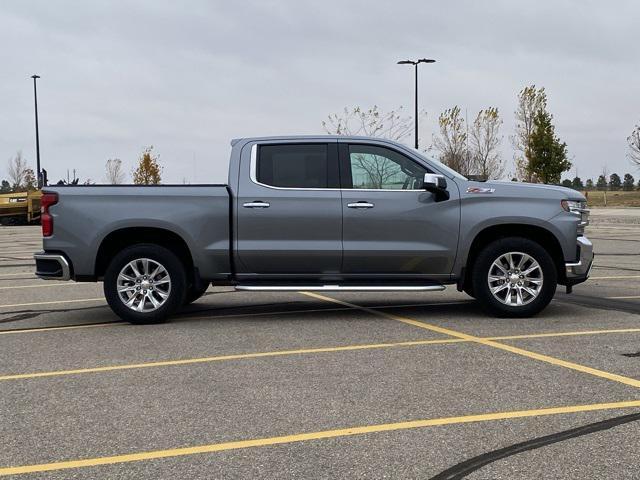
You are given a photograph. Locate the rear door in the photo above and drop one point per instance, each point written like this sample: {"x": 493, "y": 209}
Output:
{"x": 289, "y": 212}
{"x": 390, "y": 224}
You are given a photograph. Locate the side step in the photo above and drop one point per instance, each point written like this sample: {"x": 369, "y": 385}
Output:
{"x": 341, "y": 288}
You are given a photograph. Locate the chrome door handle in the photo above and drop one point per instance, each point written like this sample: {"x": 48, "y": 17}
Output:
{"x": 360, "y": 205}
{"x": 256, "y": 204}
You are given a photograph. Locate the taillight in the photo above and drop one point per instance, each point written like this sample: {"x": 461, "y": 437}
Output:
{"x": 48, "y": 199}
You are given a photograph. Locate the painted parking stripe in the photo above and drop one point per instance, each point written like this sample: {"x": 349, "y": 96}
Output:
{"x": 56, "y": 302}
{"x": 625, "y": 297}
{"x": 490, "y": 343}
{"x": 30, "y": 272}
{"x": 222, "y": 358}
{"x": 310, "y": 436}
{"x": 63, "y": 327}
{"x": 615, "y": 277}
{"x": 276, "y": 353}
{"x": 44, "y": 285}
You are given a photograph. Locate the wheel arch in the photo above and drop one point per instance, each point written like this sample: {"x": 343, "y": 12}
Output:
{"x": 545, "y": 238}
{"x": 129, "y": 236}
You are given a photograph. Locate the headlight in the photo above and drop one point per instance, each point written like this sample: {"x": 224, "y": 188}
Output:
{"x": 579, "y": 209}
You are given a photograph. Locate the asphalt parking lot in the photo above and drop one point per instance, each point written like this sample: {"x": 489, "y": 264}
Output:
{"x": 300, "y": 385}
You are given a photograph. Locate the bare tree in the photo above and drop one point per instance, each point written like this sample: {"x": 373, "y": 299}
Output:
{"x": 452, "y": 141}
{"x": 378, "y": 170}
{"x": 18, "y": 171}
{"x": 115, "y": 173}
{"x": 634, "y": 145}
{"x": 531, "y": 100}
{"x": 392, "y": 125}
{"x": 485, "y": 144}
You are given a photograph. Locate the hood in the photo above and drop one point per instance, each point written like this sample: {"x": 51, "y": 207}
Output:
{"x": 528, "y": 189}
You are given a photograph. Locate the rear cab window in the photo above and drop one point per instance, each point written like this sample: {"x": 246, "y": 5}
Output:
{"x": 298, "y": 166}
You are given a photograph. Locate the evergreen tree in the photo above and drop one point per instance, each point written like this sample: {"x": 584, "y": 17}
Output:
{"x": 567, "y": 183}
{"x": 614, "y": 182}
{"x": 6, "y": 187}
{"x": 627, "y": 183}
{"x": 589, "y": 185}
{"x": 547, "y": 155}
{"x": 601, "y": 184}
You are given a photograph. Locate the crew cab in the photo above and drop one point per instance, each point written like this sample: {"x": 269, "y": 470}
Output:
{"x": 318, "y": 213}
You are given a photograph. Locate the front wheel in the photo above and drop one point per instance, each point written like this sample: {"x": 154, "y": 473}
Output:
{"x": 145, "y": 283}
{"x": 514, "y": 277}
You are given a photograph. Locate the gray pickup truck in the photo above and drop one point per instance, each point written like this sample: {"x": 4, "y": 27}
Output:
{"x": 318, "y": 213}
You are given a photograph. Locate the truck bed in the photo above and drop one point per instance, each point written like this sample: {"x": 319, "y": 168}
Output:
{"x": 85, "y": 215}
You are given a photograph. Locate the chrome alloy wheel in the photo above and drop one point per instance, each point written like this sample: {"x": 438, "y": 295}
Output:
{"x": 144, "y": 285}
{"x": 515, "y": 279}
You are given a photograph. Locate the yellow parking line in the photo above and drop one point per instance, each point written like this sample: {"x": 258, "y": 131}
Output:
{"x": 56, "y": 302}
{"x": 310, "y": 436}
{"x": 42, "y": 285}
{"x": 615, "y": 277}
{"x": 563, "y": 334}
{"x": 69, "y": 327}
{"x": 17, "y": 274}
{"x": 490, "y": 343}
{"x": 276, "y": 353}
{"x": 241, "y": 356}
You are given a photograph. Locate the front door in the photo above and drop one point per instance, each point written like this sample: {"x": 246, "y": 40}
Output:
{"x": 390, "y": 224}
{"x": 289, "y": 214}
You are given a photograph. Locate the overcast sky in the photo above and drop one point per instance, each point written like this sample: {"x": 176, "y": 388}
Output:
{"x": 188, "y": 76}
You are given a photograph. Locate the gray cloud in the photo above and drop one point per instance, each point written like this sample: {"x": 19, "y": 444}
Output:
{"x": 186, "y": 77}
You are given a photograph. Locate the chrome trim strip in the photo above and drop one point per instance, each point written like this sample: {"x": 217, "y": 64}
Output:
{"x": 254, "y": 179}
{"x": 64, "y": 265}
{"x": 353, "y": 288}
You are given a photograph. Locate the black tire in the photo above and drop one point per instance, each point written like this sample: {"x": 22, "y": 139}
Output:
{"x": 482, "y": 267}
{"x": 162, "y": 256}
{"x": 194, "y": 292}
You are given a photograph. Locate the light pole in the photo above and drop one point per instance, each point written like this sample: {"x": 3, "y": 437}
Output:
{"x": 35, "y": 99}
{"x": 415, "y": 63}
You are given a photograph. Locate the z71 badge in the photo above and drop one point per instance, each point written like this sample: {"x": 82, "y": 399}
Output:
{"x": 480, "y": 190}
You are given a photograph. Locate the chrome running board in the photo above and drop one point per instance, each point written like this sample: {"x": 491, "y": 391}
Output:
{"x": 344, "y": 288}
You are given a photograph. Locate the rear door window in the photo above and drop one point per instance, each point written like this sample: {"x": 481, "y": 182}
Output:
{"x": 298, "y": 165}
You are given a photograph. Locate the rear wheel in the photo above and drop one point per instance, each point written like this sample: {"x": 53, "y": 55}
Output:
{"x": 514, "y": 277}
{"x": 145, "y": 283}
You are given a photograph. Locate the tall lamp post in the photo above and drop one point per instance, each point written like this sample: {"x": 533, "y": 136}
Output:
{"x": 35, "y": 99}
{"x": 415, "y": 63}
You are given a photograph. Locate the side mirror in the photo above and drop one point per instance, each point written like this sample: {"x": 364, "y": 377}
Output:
{"x": 436, "y": 184}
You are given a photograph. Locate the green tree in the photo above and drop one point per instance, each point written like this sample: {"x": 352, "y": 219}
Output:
{"x": 547, "y": 155}
{"x": 576, "y": 183}
{"x": 567, "y": 183}
{"x": 614, "y": 182}
{"x": 627, "y": 183}
{"x": 601, "y": 184}
{"x": 149, "y": 171}
{"x": 589, "y": 185}
{"x": 5, "y": 187}
{"x": 531, "y": 101}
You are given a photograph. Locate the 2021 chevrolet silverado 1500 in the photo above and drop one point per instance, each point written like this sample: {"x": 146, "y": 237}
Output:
{"x": 318, "y": 213}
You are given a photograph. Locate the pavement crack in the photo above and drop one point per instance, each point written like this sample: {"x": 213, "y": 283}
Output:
{"x": 467, "y": 467}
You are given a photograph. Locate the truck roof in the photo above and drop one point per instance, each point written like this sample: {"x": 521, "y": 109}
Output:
{"x": 315, "y": 137}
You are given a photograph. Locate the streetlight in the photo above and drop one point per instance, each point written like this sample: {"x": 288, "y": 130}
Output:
{"x": 35, "y": 99}
{"x": 415, "y": 64}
